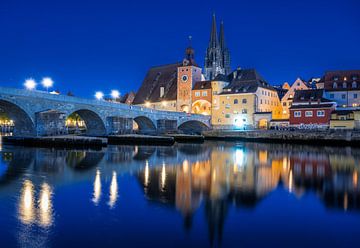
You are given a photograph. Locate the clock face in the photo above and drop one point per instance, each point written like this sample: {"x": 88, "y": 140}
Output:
{"x": 184, "y": 78}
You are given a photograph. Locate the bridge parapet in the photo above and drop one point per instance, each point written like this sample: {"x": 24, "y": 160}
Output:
{"x": 24, "y": 105}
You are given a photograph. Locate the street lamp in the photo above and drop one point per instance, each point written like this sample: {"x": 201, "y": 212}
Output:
{"x": 99, "y": 95}
{"x": 115, "y": 94}
{"x": 47, "y": 83}
{"x": 30, "y": 84}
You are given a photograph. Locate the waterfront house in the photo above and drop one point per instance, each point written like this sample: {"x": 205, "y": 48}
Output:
{"x": 310, "y": 109}
{"x": 345, "y": 119}
{"x": 343, "y": 87}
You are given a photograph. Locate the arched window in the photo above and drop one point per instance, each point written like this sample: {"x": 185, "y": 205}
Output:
{"x": 344, "y": 85}
{"x": 334, "y": 85}
{"x": 236, "y": 101}
{"x": 354, "y": 84}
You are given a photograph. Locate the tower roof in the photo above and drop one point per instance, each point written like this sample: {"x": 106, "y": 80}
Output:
{"x": 222, "y": 36}
{"x": 214, "y": 42}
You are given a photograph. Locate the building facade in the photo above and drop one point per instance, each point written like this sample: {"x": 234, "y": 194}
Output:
{"x": 343, "y": 87}
{"x": 310, "y": 110}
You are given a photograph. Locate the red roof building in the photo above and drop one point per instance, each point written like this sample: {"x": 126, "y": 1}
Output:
{"x": 310, "y": 109}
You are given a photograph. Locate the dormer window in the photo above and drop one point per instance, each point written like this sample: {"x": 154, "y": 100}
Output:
{"x": 344, "y": 85}
{"x": 354, "y": 77}
{"x": 354, "y": 84}
{"x": 162, "y": 91}
{"x": 336, "y": 78}
{"x": 334, "y": 85}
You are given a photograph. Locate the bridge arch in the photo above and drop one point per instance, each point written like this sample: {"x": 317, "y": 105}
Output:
{"x": 23, "y": 122}
{"x": 95, "y": 126}
{"x": 145, "y": 124}
{"x": 193, "y": 126}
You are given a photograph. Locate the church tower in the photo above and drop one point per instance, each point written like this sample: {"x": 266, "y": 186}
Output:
{"x": 217, "y": 59}
{"x": 225, "y": 51}
{"x": 187, "y": 74}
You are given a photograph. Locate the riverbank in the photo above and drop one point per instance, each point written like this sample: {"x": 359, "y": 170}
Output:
{"x": 334, "y": 138}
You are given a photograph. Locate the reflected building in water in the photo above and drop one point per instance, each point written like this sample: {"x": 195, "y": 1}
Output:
{"x": 243, "y": 175}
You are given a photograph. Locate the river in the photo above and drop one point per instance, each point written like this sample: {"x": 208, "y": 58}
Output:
{"x": 228, "y": 194}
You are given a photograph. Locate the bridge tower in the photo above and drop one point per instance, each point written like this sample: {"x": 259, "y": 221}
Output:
{"x": 188, "y": 74}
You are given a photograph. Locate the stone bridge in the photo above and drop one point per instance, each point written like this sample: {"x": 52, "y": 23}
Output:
{"x": 38, "y": 113}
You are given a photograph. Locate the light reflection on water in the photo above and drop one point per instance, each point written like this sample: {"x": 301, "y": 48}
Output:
{"x": 209, "y": 180}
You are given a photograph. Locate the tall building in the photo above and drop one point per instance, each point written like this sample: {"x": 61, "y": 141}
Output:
{"x": 217, "y": 59}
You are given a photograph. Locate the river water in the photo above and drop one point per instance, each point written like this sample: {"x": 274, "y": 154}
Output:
{"x": 216, "y": 194}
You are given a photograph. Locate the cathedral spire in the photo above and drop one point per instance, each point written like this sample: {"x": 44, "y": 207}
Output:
{"x": 222, "y": 36}
{"x": 213, "y": 36}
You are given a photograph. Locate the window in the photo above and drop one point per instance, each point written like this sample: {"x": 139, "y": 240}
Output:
{"x": 227, "y": 116}
{"x": 284, "y": 104}
{"x": 162, "y": 91}
{"x": 344, "y": 85}
{"x": 354, "y": 84}
{"x": 334, "y": 85}
{"x": 297, "y": 114}
{"x": 320, "y": 113}
{"x": 343, "y": 96}
{"x": 261, "y": 101}
{"x": 331, "y": 96}
{"x": 244, "y": 111}
{"x": 204, "y": 93}
{"x": 244, "y": 101}
{"x": 227, "y": 106}
{"x": 355, "y": 95}
{"x": 235, "y": 112}
{"x": 236, "y": 101}
{"x": 308, "y": 114}
{"x": 197, "y": 93}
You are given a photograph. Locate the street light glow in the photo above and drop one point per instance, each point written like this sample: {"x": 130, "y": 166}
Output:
{"x": 30, "y": 84}
{"x": 99, "y": 95}
{"x": 147, "y": 104}
{"x": 47, "y": 82}
{"x": 115, "y": 94}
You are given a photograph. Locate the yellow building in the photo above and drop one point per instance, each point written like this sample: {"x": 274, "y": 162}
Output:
{"x": 246, "y": 95}
{"x": 345, "y": 119}
{"x": 287, "y": 99}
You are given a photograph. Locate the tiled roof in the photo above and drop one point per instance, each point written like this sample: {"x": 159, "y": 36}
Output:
{"x": 161, "y": 76}
{"x": 200, "y": 85}
{"x": 312, "y": 106}
{"x": 245, "y": 81}
{"x": 312, "y": 95}
{"x": 339, "y": 77}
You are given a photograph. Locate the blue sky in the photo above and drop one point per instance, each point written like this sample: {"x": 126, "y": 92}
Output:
{"x": 87, "y": 46}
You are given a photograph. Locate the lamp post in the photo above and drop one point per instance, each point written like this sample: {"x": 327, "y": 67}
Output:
{"x": 30, "y": 84}
{"x": 115, "y": 95}
{"x": 47, "y": 83}
{"x": 99, "y": 95}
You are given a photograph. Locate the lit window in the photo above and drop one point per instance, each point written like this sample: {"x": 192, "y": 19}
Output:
{"x": 308, "y": 114}
{"x": 297, "y": 114}
{"x": 162, "y": 91}
{"x": 320, "y": 113}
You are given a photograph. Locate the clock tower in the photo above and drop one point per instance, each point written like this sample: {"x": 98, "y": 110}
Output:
{"x": 187, "y": 74}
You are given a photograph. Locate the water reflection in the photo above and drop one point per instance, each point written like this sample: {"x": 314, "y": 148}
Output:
{"x": 27, "y": 203}
{"x": 97, "y": 188}
{"x": 209, "y": 179}
{"x": 113, "y": 190}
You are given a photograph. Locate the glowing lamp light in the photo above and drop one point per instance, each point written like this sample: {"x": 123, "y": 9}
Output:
{"x": 115, "y": 94}
{"x": 239, "y": 123}
{"x": 147, "y": 104}
{"x": 47, "y": 82}
{"x": 164, "y": 103}
{"x": 30, "y": 84}
{"x": 99, "y": 95}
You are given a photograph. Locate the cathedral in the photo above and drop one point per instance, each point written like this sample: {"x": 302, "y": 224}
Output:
{"x": 217, "y": 59}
